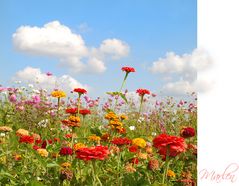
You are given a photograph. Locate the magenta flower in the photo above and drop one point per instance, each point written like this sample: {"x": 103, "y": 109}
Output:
{"x": 49, "y": 74}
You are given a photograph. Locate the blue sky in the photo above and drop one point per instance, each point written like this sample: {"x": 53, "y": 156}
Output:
{"x": 150, "y": 29}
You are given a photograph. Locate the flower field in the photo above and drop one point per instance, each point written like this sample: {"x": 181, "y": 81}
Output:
{"x": 55, "y": 138}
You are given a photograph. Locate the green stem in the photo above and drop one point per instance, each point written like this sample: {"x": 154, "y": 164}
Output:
{"x": 83, "y": 126}
{"x": 95, "y": 176}
{"x": 118, "y": 169}
{"x": 141, "y": 104}
{"x": 72, "y": 138}
{"x": 167, "y": 165}
{"x": 78, "y": 105}
{"x": 58, "y": 106}
{"x": 122, "y": 85}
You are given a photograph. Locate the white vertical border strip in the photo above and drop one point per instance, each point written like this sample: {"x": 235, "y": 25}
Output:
{"x": 218, "y": 109}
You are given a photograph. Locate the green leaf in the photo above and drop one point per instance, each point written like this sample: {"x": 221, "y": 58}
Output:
{"x": 96, "y": 131}
{"x": 123, "y": 97}
{"x": 6, "y": 174}
{"x": 119, "y": 94}
{"x": 112, "y": 93}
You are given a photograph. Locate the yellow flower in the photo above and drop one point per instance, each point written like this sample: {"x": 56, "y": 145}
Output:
{"x": 66, "y": 165}
{"x": 58, "y": 94}
{"x": 110, "y": 116}
{"x": 170, "y": 173}
{"x": 123, "y": 117}
{"x": 74, "y": 119}
{"x": 42, "y": 152}
{"x": 140, "y": 142}
{"x": 115, "y": 123}
{"x": 94, "y": 138}
{"x": 5, "y": 129}
{"x": 77, "y": 146}
{"x": 22, "y": 132}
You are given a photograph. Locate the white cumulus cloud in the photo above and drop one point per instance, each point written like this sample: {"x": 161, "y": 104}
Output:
{"x": 57, "y": 40}
{"x": 52, "y": 39}
{"x": 114, "y": 47}
{"x": 37, "y": 77}
{"x": 184, "y": 69}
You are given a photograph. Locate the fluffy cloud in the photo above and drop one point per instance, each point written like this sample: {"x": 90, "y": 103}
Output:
{"x": 114, "y": 47}
{"x": 58, "y": 41}
{"x": 178, "y": 88}
{"x": 184, "y": 68}
{"x": 35, "y": 76}
{"x": 53, "y": 39}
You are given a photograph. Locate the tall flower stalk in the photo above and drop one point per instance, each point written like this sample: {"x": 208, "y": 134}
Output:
{"x": 80, "y": 91}
{"x": 58, "y": 94}
{"x": 141, "y": 93}
{"x": 127, "y": 70}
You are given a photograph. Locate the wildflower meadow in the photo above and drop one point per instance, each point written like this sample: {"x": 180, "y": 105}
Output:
{"x": 59, "y": 138}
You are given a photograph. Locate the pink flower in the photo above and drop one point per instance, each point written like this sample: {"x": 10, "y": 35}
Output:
{"x": 20, "y": 108}
{"x": 2, "y": 89}
{"x": 49, "y": 74}
{"x": 87, "y": 99}
{"x": 36, "y": 99}
{"x": 12, "y": 98}
{"x": 157, "y": 103}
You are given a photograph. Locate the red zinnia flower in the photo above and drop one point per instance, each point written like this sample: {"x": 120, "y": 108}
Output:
{"x": 71, "y": 110}
{"x": 135, "y": 161}
{"x": 85, "y": 112}
{"x": 80, "y": 90}
{"x": 88, "y": 153}
{"x": 173, "y": 144}
{"x": 142, "y": 92}
{"x": 66, "y": 151}
{"x": 121, "y": 141}
{"x": 35, "y": 147}
{"x": 128, "y": 69}
{"x": 26, "y": 139}
{"x": 38, "y": 141}
{"x": 45, "y": 143}
{"x": 133, "y": 148}
{"x": 187, "y": 132}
